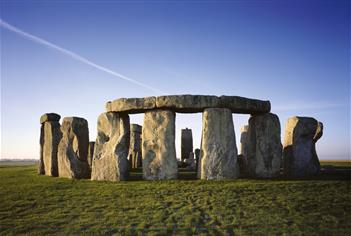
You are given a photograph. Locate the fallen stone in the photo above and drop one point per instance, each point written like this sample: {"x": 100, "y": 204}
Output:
{"x": 73, "y": 149}
{"x": 190, "y": 162}
{"x": 263, "y": 149}
{"x": 218, "y": 148}
{"x": 49, "y": 117}
{"x": 110, "y": 160}
{"x": 158, "y": 145}
{"x": 131, "y": 105}
{"x": 186, "y": 143}
{"x": 299, "y": 156}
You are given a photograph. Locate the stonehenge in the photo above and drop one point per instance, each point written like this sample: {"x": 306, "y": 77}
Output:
{"x": 110, "y": 161}
{"x": 262, "y": 151}
{"x": 218, "y": 148}
{"x": 186, "y": 143}
{"x": 65, "y": 150}
{"x": 299, "y": 156}
{"x": 158, "y": 145}
{"x": 50, "y": 136}
{"x": 73, "y": 149}
{"x": 135, "y": 153}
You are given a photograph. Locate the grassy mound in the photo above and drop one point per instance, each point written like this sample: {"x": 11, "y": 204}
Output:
{"x": 41, "y": 205}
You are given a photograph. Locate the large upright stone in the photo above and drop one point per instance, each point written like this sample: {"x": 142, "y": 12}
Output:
{"x": 263, "y": 149}
{"x": 158, "y": 145}
{"x": 186, "y": 143}
{"x": 73, "y": 149}
{"x": 50, "y": 136}
{"x": 243, "y": 147}
{"x": 110, "y": 160}
{"x": 197, "y": 157}
{"x": 299, "y": 156}
{"x": 218, "y": 147}
{"x": 135, "y": 156}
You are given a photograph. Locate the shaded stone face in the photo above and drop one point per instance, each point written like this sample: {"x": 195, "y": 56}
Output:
{"x": 299, "y": 155}
{"x": 91, "y": 153}
{"x": 186, "y": 143}
{"x": 189, "y": 104}
{"x": 50, "y": 117}
{"x": 73, "y": 149}
{"x": 263, "y": 148}
{"x": 243, "y": 165}
{"x": 158, "y": 145}
{"x": 50, "y": 136}
{"x": 218, "y": 147}
{"x": 111, "y": 147}
{"x": 135, "y": 153}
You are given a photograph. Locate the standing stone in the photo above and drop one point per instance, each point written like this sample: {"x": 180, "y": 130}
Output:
{"x": 299, "y": 155}
{"x": 110, "y": 160}
{"x": 243, "y": 165}
{"x": 41, "y": 168}
{"x": 263, "y": 148}
{"x": 197, "y": 157}
{"x": 186, "y": 143}
{"x": 73, "y": 149}
{"x": 91, "y": 153}
{"x": 50, "y": 136}
{"x": 158, "y": 139}
{"x": 135, "y": 157}
{"x": 218, "y": 148}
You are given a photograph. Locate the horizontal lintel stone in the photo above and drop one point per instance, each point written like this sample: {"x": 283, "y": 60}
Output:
{"x": 189, "y": 104}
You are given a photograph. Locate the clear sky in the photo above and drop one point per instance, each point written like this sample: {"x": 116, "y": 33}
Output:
{"x": 294, "y": 53}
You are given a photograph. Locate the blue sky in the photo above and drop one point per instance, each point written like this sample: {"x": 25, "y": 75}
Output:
{"x": 294, "y": 53}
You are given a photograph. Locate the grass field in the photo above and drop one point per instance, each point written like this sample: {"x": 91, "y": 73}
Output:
{"x": 41, "y": 205}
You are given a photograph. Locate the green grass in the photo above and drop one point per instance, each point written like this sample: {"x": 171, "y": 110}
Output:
{"x": 41, "y": 205}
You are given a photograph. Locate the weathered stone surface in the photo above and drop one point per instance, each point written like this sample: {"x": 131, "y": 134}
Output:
{"x": 299, "y": 155}
{"x": 243, "y": 138}
{"x": 49, "y": 117}
{"x": 41, "y": 168}
{"x": 263, "y": 149}
{"x": 186, "y": 143}
{"x": 187, "y": 103}
{"x": 197, "y": 157}
{"x": 244, "y": 105}
{"x": 218, "y": 148}
{"x": 158, "y": 145}
{"x": 243, "y": 165}
{"x": 52, "y": 137}
{"x": 131, "y": 105}
{"x": 111, "y": 147}
{"x": 190, "y": 162}
{"x": 73, "y": 149}
{"x": 91, "y": 153}
{"x": 135, "y": 156}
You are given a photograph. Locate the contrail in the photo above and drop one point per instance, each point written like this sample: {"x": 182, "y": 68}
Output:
{"x": 73, "y": 55}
